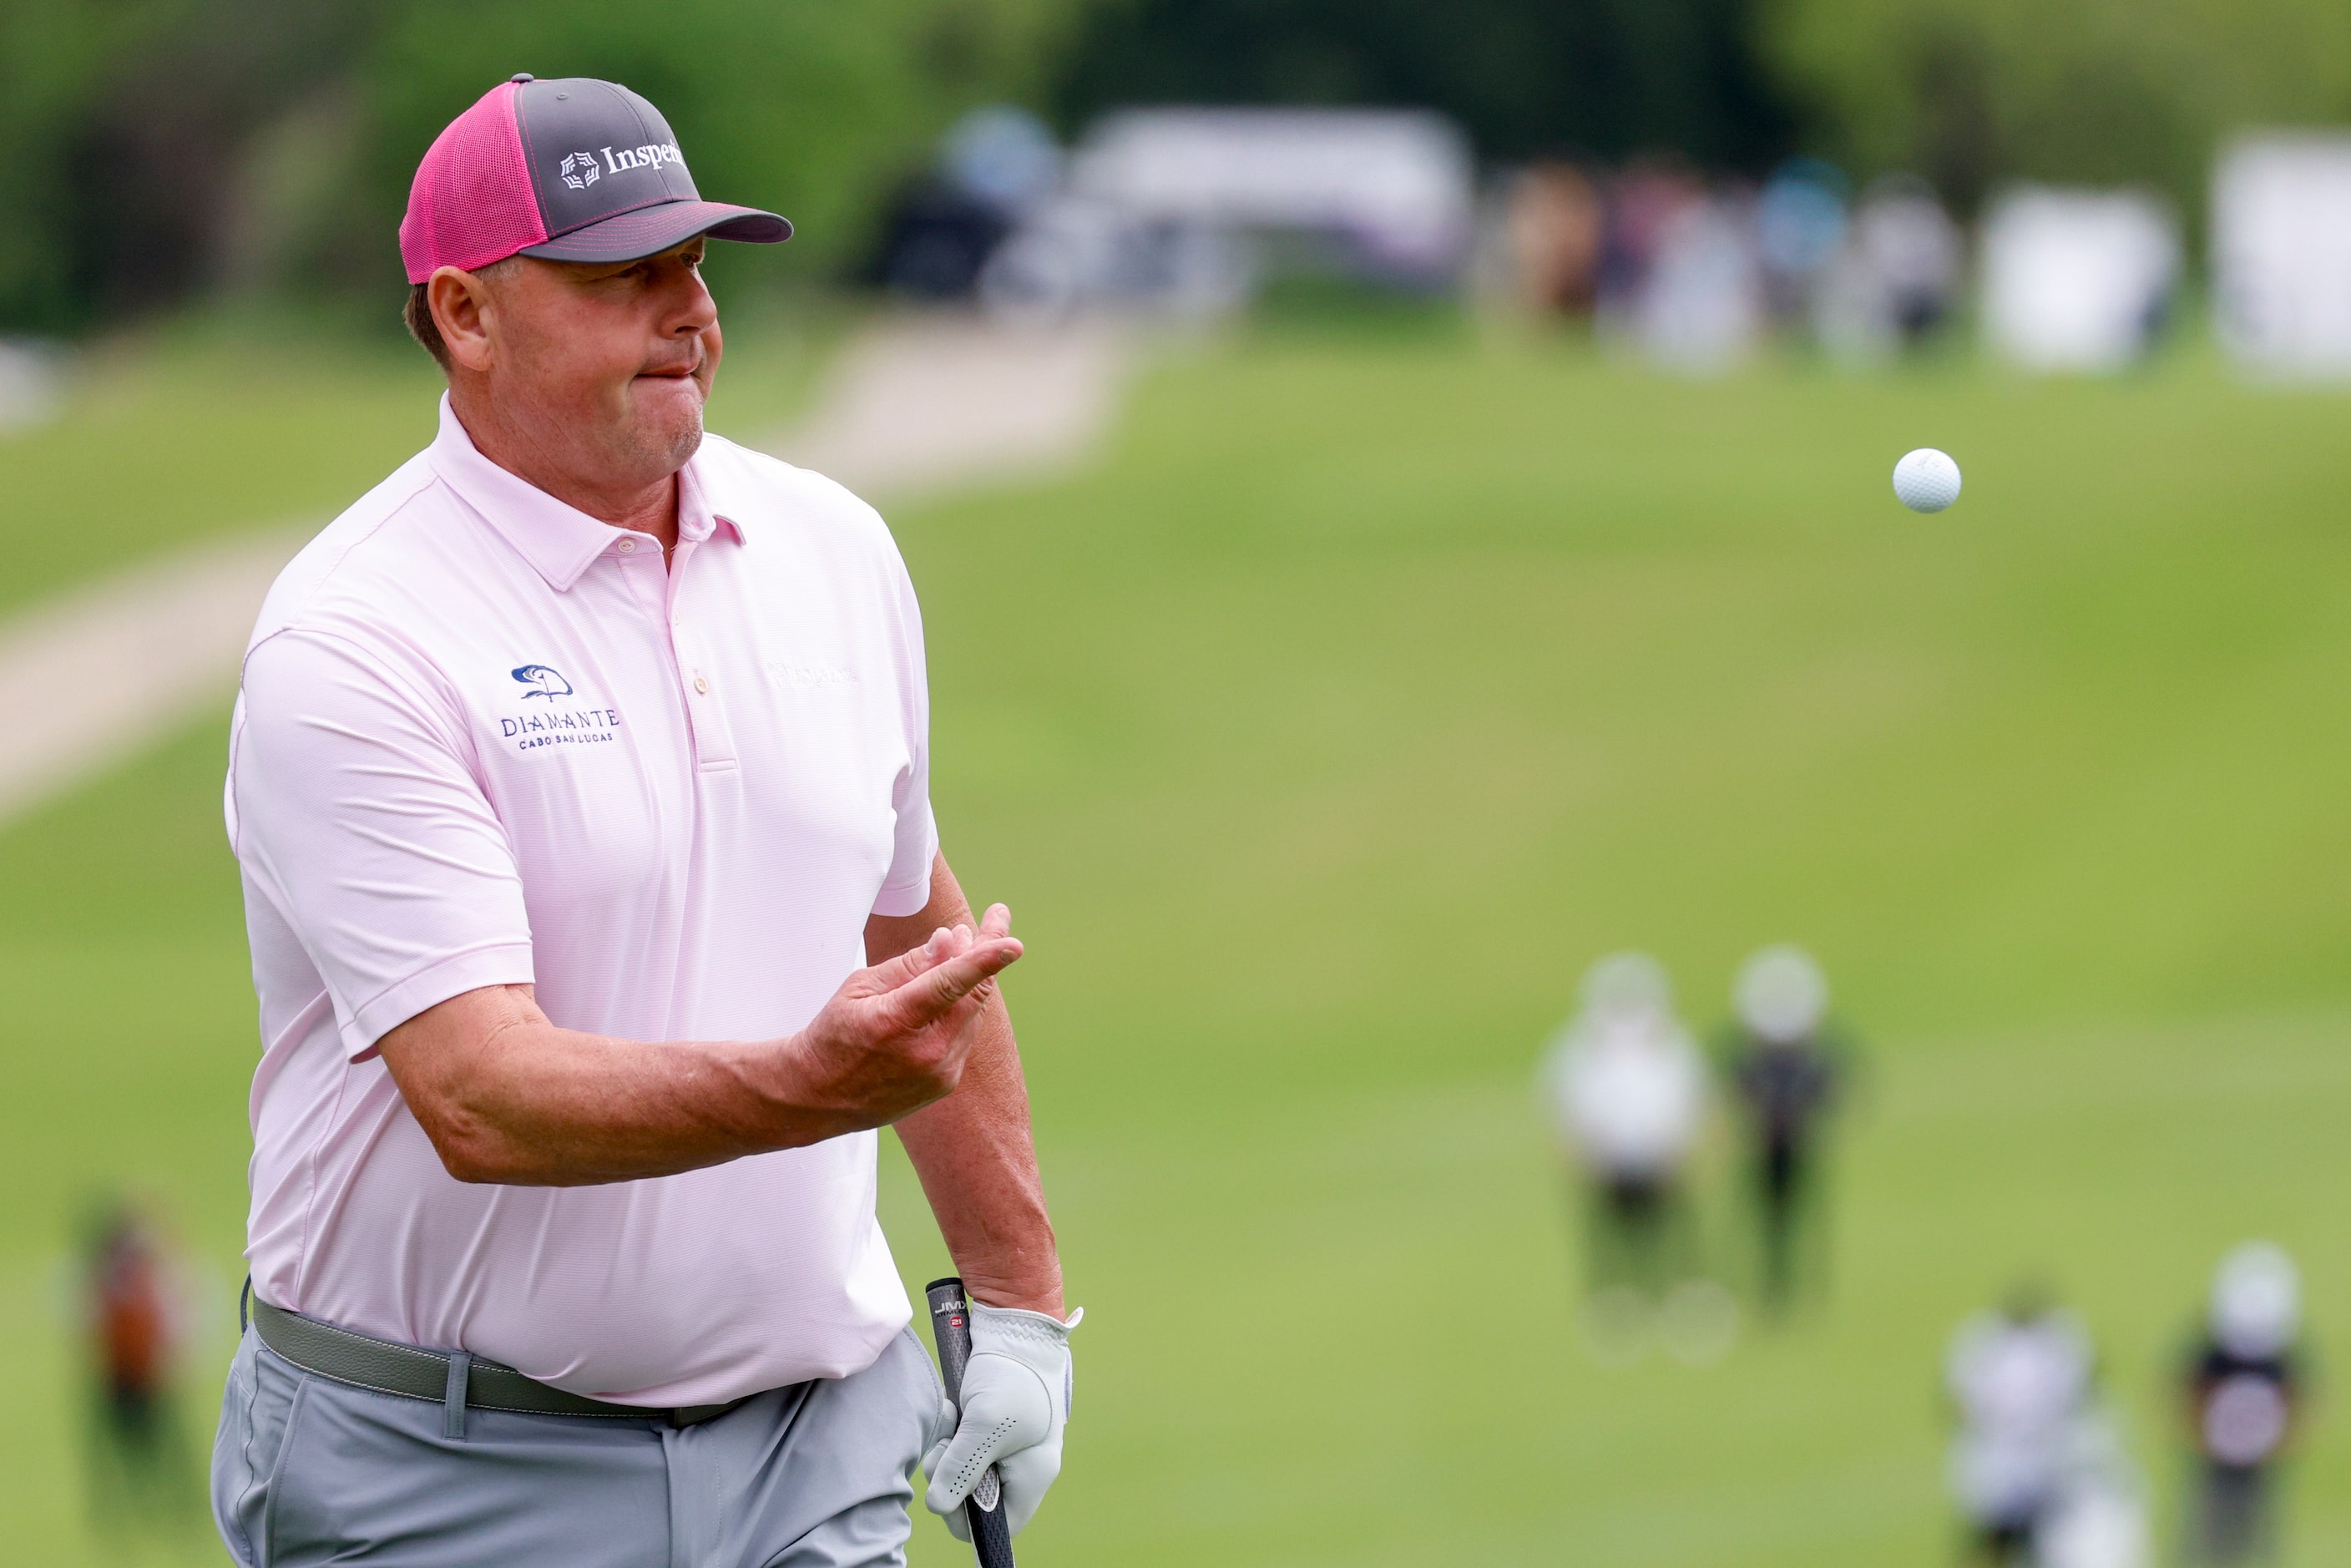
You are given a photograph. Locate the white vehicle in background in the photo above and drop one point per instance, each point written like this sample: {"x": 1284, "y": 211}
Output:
{"x": 2282, "y": 254}
{"x": 1174, "y": 210}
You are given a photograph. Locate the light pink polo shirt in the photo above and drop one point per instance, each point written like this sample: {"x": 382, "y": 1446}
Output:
{"x": 484, "y": 738}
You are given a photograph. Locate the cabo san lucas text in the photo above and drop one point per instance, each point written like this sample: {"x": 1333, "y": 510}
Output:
{"x": 576, "y": 726}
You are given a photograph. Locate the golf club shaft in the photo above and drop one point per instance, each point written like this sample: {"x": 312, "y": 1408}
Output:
{"x": 991, "y": 1533}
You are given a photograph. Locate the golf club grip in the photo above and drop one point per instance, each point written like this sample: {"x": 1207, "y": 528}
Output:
{"x": 991, "y": 1534}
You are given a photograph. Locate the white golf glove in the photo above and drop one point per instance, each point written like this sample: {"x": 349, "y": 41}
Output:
{"x": 1015, "y": 1400}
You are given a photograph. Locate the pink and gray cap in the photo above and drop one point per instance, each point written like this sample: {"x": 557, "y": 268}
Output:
{"x": 572, "y": 169}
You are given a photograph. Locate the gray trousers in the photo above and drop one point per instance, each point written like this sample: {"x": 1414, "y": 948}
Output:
{"x": 309, "y": 1470}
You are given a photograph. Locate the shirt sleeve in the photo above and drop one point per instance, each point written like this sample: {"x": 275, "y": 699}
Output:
{"x": 915, "y": 838}
{"x": 354, "y": 813}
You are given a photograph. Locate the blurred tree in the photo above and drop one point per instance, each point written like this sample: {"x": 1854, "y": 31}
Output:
{"x": 1526, "y": 78}
{"x": 127, "y": 122}
{"x": 1968, "y": 92}
{"x": 160, "y": 148}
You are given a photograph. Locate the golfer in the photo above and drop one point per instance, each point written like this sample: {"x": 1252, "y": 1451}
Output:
{"x": 579, "y": 784}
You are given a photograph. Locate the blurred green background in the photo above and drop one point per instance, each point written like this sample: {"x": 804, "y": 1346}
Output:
{"x": 1377, "y": 678}
{"x": 1383, "y": 671}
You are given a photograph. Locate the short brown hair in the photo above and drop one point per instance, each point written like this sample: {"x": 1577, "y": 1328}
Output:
{"x": 418, "y": 314}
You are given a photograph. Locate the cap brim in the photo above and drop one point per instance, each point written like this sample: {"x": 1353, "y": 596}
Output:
{"x": 649, "y": 231}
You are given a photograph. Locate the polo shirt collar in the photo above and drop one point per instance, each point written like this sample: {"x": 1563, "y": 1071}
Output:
{"x": 559, "y": 540}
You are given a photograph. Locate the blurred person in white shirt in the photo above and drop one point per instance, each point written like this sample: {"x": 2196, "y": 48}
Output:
{"x": 1626, "y": 1088}
{"x": 2033, "y": 1459}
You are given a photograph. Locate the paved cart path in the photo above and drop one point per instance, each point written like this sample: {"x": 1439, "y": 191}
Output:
{"x": 915, "y": 406}
{"x": 924, "y": 403}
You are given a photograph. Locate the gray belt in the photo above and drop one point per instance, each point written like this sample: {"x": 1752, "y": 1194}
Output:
{"x": 450, "y": 1378}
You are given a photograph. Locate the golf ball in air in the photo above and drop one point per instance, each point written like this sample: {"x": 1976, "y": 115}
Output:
{"x": 1927, "y": 480}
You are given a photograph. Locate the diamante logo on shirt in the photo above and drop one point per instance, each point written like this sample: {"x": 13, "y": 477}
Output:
{"x": 551, "y": 725}
{"x": 543, "y": 680}
{"x": 579, "y": 169}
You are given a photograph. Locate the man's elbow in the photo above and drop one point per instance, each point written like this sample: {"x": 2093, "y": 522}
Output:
{"x": 471, "y": 1151}
{"x": 478, "y": 1167}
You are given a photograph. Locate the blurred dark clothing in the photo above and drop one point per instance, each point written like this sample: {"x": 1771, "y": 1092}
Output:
{"x": 1785, "y": 1091}
{"x": 2006, "y": 1542}
{"x": 935, "y": 241}
{"x": 2241, "y": 1411}
{"x": 1643, "y": 1235}
{"x": 1785, "y": 1086}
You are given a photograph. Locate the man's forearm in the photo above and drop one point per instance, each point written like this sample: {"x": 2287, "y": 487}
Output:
{"x": 533, "y": 1104}
{"x": 977, "y": 1162}
{"x": 506, "y": 1096}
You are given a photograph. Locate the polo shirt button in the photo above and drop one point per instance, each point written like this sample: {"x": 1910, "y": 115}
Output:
{"x": 701, "y": 685}
{"x": 628, "y": 547}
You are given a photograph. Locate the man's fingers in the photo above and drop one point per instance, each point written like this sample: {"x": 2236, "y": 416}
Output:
{"x": 933, "y": 994}
{"x": 891, "y": 973}
{"x": 943, "y": 944}
{"x": 958, "y": 1525}
{"x": 1028, "y": 1475}
{"x": 1009, "y": 1410}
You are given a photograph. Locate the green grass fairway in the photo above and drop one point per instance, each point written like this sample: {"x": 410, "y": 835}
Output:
{"x": 1375, "y": 683}
{"x": 226, "y": 425}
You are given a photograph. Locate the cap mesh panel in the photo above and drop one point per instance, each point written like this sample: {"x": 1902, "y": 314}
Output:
{"x": 472, "y": 203}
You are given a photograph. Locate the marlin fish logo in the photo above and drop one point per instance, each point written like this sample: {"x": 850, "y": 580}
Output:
{"x": 543, "y": 680}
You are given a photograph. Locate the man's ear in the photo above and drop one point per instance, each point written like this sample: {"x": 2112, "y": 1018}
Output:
{"x": 462, "y": 308}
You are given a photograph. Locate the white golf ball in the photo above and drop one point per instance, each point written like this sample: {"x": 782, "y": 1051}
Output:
{"x": 1927, "y": 480}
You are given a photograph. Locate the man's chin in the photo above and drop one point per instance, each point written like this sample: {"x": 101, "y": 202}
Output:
{"x": 669, "y": 423}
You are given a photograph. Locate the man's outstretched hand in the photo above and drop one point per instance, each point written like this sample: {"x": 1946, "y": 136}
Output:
{"x": 895, "y": 1035}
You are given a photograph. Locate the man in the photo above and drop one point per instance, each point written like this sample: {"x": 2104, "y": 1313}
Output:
{"x": 2244, "y": 1383}
{"x": 142, "y": 1473}
{"x": 1785, "y": 1065}
{"x": 577, "y": 771}
{"x": 1627, "y": 1093}
{"x": 2019, "y": 1381}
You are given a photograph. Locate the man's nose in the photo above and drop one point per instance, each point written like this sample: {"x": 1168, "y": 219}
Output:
{"x": 694, "y": 312}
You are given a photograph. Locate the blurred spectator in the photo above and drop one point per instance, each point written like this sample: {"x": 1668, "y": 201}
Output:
{"x": 2077, "y": 280}
{"x": 1701, "y": 308}
{"x": 1554, "y": 224}
{"x": 142, "y": 1474}
{"x": 1627, "y": 1090}
{"x": 1643, "y": 203}
{"x": 2035, "y": 1467}
{"x": 1786, "y": 1065}
{"x": 1898, "y": 277}
{"x": 2245, "y": 1390}
{"x": 2282, "y": 254}
{"x": 1799, "y": 226}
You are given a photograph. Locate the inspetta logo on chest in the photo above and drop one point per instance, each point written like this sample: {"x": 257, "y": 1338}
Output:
{"x": 558, "y": 721}
{"x": 802, "y": 675}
